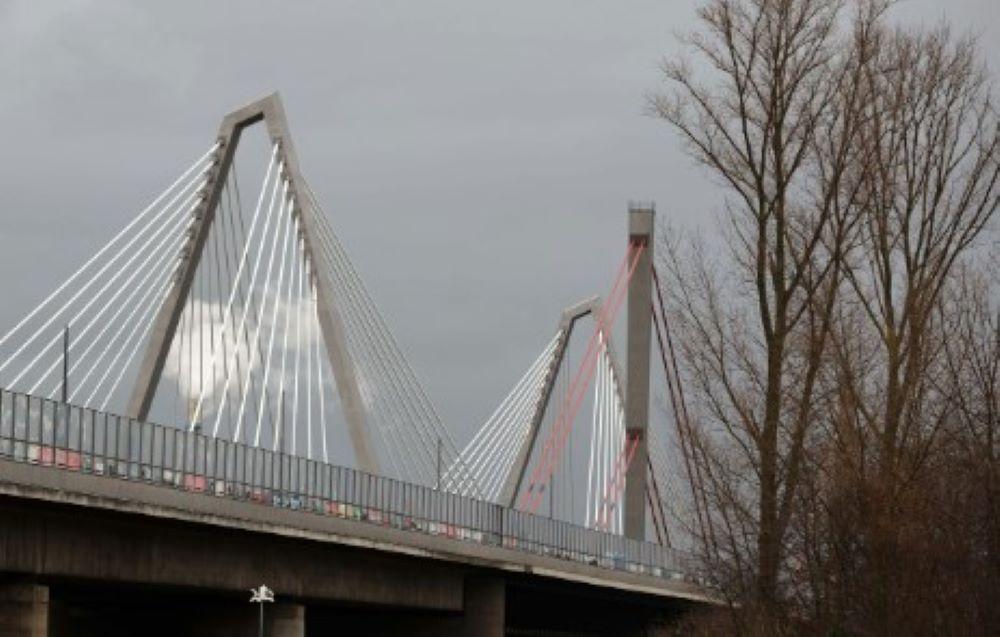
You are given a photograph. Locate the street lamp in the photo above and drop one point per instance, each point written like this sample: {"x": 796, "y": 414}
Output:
{"x": 259, "y": 596}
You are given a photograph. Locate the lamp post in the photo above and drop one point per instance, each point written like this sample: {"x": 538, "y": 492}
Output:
{"x": 438, "y": 485}
{"x": 259, "y": 596}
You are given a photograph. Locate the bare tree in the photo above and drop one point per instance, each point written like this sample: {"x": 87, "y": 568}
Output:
{"x": 971, "y": 446}
{"x": 861, "y": 165}
{"x": 772, "y": 112}
{"x": 930, "y": 183}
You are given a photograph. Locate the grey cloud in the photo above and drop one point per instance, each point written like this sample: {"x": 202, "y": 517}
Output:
{"x": 475, "y": 158}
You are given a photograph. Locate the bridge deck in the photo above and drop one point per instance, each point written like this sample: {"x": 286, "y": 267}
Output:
{"x": 71, "y": 455}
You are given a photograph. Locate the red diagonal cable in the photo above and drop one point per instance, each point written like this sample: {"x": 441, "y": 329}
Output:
{"x": 568, "y": 400}
{"x": 581, "y": 381}
{"x": 564, "y": 421}
{"x": 604, "y": 513}
{"x": 605, "y": 318}
{"x": 604, "y": 322}
{"x": 617, "y": 482}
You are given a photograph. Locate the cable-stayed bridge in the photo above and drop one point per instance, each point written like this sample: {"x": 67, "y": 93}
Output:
{"x": 218, "y": 365}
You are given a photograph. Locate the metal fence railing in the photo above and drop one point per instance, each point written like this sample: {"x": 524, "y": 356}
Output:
{"x": 45, "y": 432}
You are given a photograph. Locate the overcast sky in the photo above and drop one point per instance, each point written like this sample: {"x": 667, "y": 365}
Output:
{"x": 476, "y": 158}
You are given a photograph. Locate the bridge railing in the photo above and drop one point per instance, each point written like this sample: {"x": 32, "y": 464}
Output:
{"x": 46, "y": 432}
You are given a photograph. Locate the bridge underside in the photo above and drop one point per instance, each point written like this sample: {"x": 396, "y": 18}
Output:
{"x": 493, "y": 606}
{"x": 80, "y": 570}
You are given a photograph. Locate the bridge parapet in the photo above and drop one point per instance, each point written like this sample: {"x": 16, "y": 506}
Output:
{"x": 50, "y": 433}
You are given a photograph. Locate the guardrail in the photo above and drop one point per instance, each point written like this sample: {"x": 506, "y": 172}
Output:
{"x": 45, "y": 432}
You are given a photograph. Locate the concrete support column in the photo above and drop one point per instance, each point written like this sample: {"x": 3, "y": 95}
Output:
{"x": 640, "y": 230}
{"x": 24, "y": 610}
{"x": 285, "y": 620}
{"x": 484, "y": 612}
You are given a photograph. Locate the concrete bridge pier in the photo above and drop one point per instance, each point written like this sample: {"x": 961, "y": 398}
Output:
{"x": 285, "y": 620}
{"x": 485, "y": 607}
{"x": 24, "y": 609}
